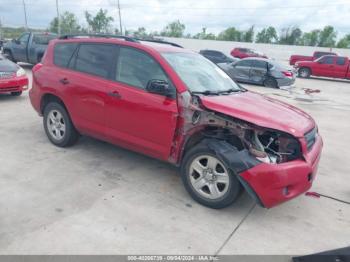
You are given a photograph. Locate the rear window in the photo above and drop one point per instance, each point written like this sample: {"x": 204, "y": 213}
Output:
{"x": 43, "y": 39}
{"x": 63, "y": 53}
{"x": 319, "y": 54}
{"x": 97, "y": 59}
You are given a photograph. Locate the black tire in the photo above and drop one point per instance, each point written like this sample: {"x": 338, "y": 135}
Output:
{"x": 70, "y": 135}
{"x": 9, "y": 56}
{"x": 16, "y": 93}
{"x": 270, "y": 82}
{"x": 304, "y": 72}
{"x": 233, "y": 188}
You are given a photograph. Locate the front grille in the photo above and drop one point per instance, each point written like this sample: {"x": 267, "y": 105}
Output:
{"x": 6, "y": 74}
{"x": 310, "y": 138}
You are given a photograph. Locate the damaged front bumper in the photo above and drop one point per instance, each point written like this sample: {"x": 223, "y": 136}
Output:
{"x": 273, "y": 184}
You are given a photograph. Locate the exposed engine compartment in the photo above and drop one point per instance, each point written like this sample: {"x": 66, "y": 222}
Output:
{"x": 269, "y": 146}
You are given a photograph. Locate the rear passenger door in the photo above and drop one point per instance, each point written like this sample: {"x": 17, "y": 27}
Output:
{"x": 137, "y": 119}
{"x": 84, "y": 84}
{"x": 258, "y": 71}
{"x": 242, "y": 70}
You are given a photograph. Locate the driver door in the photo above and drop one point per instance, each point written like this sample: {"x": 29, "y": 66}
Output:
{"x": 137, "y": 119}
{"x": 20, "y": 48}
{"x": 242, "y": 70}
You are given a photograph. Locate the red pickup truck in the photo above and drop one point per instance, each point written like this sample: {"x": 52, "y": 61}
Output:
{"x": 328, "y": 66}
{"x": 296, "y": 58}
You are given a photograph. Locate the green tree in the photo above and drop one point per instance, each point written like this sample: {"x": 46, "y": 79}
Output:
{"x": 174, "y": 29}
{"x": 267, "y": 35}
{"x": 68, "y": 22}
{"x": 205, "y": 35}
{"x": 230, "y": 34}
{"x": 248, "y": 36}
{"x": 327, "y": 37}
{"x": 140, "y": 32}
{"x": 290, "y": 36}
{"x": 344, "y": 42}
{"x": 311, "y": 38}
{"x": 100, "y": 23}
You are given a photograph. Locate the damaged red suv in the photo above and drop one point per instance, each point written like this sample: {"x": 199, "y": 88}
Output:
{"x": 174, "y": 105}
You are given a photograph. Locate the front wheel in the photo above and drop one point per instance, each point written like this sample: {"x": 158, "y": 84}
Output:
{"x": 207, "y": 179}
{"x": 58, "y": 125}
{"x": 304, "y": 72}
{"x": 9, "y": 55}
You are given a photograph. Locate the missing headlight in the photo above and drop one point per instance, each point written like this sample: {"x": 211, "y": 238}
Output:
{"x": 280, "y": 146}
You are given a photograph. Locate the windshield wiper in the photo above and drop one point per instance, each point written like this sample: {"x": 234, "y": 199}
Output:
{"x": 229, "y": 91}
{"x": 206, "y": 93}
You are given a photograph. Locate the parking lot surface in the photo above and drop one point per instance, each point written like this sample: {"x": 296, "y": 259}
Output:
{"x": 96, "y": 198}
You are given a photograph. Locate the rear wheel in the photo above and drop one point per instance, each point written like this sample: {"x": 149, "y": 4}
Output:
{"x": 208, "y": 179}
{"x": 271, "y": 82}
{"x": 304, "y": 72}
{"x": 58, "y": 125}
{"x": 16, "y": 93}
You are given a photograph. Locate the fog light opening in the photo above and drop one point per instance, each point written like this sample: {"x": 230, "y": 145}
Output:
{"x": 285, "y": 191}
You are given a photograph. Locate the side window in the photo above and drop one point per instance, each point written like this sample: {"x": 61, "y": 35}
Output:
{"x": 136, "y": 68}
{"x": 260, "y": 64}
{"x": 245, "y": 63}
{"x": 97, "y": 59}
{"x": 341, "y": 60}
{"x": 23, "y": 39}
{"x": 327, "y": 60}
{"x": 63, "y": 53}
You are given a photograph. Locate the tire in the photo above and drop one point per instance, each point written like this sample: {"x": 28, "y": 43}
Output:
{"x": 270, "y": 82}
{"x": 16, "y": 93}
{"x": 304, "y": 72}
{"x": 214, "y": 192}
{"x": 58, "y": 125}
{"x": 9, "y": 55}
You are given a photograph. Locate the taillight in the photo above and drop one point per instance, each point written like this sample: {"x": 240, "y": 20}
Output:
{"x": 287, "y": 73}
{"x": 37, "y": 67}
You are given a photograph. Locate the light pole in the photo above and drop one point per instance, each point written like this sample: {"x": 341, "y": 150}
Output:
{"x": 25, "y": 15}
{"x": 58, "y": 19}
{"x": 120, "y": 18}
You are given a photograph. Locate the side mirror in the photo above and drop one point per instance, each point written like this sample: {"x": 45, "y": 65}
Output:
{"x": 159, "y": 87}
{"x": 16, "y": 41}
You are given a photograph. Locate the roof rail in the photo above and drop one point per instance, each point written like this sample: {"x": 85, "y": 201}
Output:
{"x": 126, "y": 38}
{"x": 159, "y": 41}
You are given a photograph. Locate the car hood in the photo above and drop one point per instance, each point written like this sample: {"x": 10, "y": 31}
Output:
{"x": 262, "y": 111}
{"x": 7, "y": 66}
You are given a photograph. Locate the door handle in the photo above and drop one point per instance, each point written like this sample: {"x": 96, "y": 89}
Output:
{"x": 114, "y": 94}
{"x": 64, "y": 81}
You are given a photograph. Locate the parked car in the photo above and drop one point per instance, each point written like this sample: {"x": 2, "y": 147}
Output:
{"x": 216, "y": 56}
{"x": 13, "y": 78}
{"x": 175, "y": 105}
{"x": 28, "y": 48}
{"x": 260, "y": 71}
{"x": 327, "y": 66}
{"x": 296, "y": 58}
{"x": 240, "y": 53}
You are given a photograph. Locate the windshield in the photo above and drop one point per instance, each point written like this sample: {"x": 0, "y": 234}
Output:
{"x": 199, "y": 74}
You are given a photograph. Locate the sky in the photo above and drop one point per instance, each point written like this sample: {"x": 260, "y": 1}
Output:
{"x": 215, "y": 15}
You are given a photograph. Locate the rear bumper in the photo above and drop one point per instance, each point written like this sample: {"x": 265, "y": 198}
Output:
{"x": 287, "y": 81}
{"x": 274, "y": 184}
{"x": 14, "y": 84}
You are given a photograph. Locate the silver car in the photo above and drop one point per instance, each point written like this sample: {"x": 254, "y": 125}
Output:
{"x": 260, "y": 71}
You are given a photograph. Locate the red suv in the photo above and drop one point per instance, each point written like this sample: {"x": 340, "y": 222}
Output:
{"x": 175, "y": 105}
{"x": 246, "y": 52}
